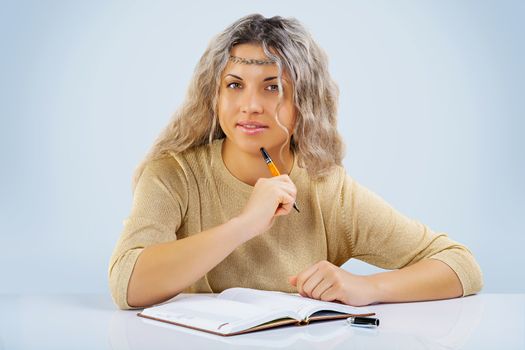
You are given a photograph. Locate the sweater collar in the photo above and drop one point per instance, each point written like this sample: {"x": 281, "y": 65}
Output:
{"x": 228, "y": 178}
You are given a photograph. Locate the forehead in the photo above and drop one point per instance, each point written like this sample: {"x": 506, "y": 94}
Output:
{"x": 246, "y": 62}
{"x": 249, "y": 50}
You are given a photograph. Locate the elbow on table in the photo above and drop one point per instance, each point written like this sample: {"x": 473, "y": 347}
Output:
{"x": 468, "y": 271}
{"x": 127, "y": 298}
{"x": 476, "y": 282}
{"x": 463, "y": 263}
{"x": 119, "y": 280}
{"x": 140, "y": 294}
{"x": 135, "y": 300}
{"x": 119, "y": 294}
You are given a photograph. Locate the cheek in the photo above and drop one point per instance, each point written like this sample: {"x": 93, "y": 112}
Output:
{"x": 224, "y": 105}
{"x": 221, "y": 108}
{"x": 289, "y": 116}
{"x": 220, "y": 103}
{"x": 224, "y": 114}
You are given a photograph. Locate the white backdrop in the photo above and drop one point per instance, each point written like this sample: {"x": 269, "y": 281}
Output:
{"x": 431, "y": 109}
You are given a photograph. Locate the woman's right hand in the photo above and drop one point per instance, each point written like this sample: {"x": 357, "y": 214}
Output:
{"x": 271, "y": 197}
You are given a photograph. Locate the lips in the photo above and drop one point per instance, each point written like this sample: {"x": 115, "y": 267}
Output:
{"x": 251, "y": 127}
{"x": 251, "y": 124}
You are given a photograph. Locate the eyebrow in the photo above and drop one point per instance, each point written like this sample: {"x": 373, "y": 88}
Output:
{"x": 237, "y": 77}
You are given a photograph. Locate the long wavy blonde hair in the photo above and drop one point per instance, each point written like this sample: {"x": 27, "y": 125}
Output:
{"x": 316, "y": 142}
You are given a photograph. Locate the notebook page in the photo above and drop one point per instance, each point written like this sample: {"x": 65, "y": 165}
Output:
{"x": 205, "y": 312}
{"x": 267, "y": 299}
{"x": 318, "y": 305}
{"x": 283, "y": 301}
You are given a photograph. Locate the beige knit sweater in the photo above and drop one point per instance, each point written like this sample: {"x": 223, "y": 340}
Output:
{"x": 183, "y": 194}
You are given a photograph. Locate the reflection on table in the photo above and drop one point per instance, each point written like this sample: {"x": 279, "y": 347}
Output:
{"x": 485, "y": 321}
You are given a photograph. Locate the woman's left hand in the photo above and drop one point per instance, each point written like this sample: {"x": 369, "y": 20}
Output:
{"x": 327, "y": 282}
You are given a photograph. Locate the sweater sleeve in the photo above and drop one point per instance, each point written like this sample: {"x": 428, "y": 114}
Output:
{"x": 159, "y": 205}
{"x": 381, "y": 236}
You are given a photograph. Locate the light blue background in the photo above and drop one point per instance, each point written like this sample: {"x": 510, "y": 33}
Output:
{"x": 431, "y": 109}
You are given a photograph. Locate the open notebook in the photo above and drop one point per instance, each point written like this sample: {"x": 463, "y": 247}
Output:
{"x": 243, "y": 310}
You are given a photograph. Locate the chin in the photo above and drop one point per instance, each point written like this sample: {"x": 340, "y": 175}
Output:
{"x": 251, "y": 146}
{"x": 254, "y": 146}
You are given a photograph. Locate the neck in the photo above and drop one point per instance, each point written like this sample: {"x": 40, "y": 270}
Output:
{"x": 249, "y": 167}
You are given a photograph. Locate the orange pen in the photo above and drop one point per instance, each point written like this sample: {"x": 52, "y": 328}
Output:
{"x": 273, "y": 169}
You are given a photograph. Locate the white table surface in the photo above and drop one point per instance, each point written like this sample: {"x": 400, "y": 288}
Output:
{"x": 485, "y": 321}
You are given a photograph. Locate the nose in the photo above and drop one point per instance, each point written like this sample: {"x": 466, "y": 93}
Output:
{"x": 251, "y": 103}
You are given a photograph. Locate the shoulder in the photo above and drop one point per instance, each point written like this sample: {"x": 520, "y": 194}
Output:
{"x": 338, "y": 188}
{"x": 163, "y": 175}
{"x": 180, "y": 162}
{"x": 334, "y": 181}
{"x": 187, "y": 166}
{"x": 196, "y": 161}
{"x": 165, "y": 167}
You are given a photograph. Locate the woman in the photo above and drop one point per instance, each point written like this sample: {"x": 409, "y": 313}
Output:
{"x": 207, "y": 214}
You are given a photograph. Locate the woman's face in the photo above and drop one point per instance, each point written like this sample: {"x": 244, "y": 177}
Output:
{"x": 248, "y": 99}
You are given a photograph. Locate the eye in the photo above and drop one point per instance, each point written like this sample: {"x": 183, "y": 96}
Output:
{"x": 233, "y": 85}
{"x": 272, "y": 88}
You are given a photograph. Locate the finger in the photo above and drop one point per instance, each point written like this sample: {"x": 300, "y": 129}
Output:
{"x": 321, "y": 287}
{"x": 291, "y": 190}
{"x": 311, "y": 283}
{"x": 330, "y": 294}
{"x": 284, "y": 195}
{"x": 285, "y": 180}
{"x": 287, "y": 188}
{"x": 285, "y": 205}
{"x": 283, "y": 211}
{"x": 292, "y": 280}
{"x": 303, "y": 276}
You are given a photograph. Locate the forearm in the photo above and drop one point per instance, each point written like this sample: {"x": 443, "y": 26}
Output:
{"x": 428, "y": 279}
{"x": 164, "y": 270}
